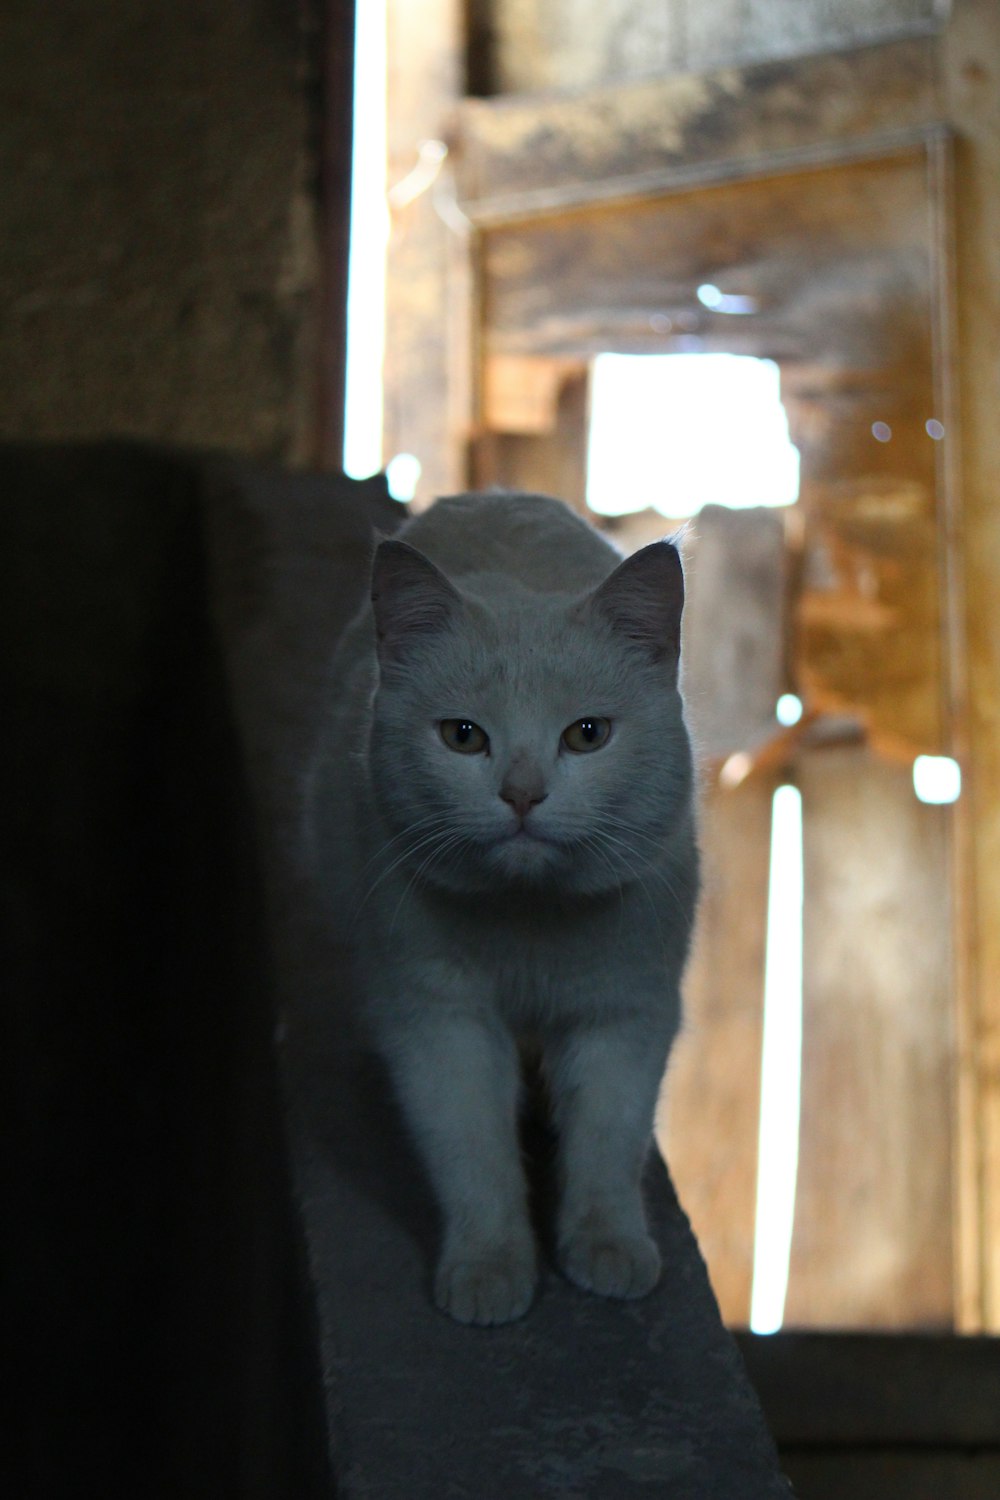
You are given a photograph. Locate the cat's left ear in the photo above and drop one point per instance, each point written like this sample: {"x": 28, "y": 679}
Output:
{"x": 410, "y": 597}
{"x": 644, "y": 599}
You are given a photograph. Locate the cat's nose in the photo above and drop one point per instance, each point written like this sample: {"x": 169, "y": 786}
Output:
{"x": 522, "y": 799}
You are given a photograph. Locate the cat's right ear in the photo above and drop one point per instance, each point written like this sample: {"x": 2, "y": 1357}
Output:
{"x": 411, "y": 598}
{"x": 644, "y": 598}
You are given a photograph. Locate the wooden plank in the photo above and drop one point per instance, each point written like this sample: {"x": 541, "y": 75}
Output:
{"x": 710, "y": 1105}
{"x": 524, "y": 156}
{"x": 863, "y": 1388}
{"x": 734, "y": 628}
{"x": 552, "y": 462}
{"x": 709, "y": 1114}
{"x": 521, "y": 393}
{"x": 893, "y": 1473}
{"x": 839, "y": 266}
{"x": 336, "y": 139}
{"x": 428, "y": 289}
{"x": 872, "y": 1237}
{"x": 546, "y": 44}
{"x": 558, "y": 44}
{"x": 826, "y": 258}
{"x": 970, "y": 65}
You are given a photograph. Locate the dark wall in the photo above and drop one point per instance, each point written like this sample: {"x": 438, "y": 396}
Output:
{"x": 158, "y": 261}
{"x": 157, "y": 1311}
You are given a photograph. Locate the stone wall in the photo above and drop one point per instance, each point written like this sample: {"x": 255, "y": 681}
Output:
{"x": 158, "y": 253}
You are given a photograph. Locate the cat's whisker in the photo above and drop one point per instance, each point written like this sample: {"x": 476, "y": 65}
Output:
{"x": 617, "y": 844}
{"x": 448, "y": 844}
{"x": 602, "y": 854}
{"x": 439, "y": 846}
{"x": 404, "y": 833}
{"x": 427, "y": 837}
{"x": 619, "y": 825}
{"x": 651, "y": 868}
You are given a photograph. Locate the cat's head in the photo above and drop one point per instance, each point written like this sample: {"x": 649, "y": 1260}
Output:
{"x": 529, "y": 740}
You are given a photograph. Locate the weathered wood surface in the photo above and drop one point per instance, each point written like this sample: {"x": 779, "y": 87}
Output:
{"x": 709, "y": 1111}
{"x": 524, "y": 156}
{"x": 833, "y": 260}
{"x": 734, "y": 628}
{"x": 546, "y": 44}
{"x": 895, "y": 1474}
{"x": 428, "y": 337}
{"x": 872, "y": 1240}
{"x": 882, "y": 1417}
{"x": 734, "y": 645}
{"x": 861, "y": 1389}
{"x": 548, "y": 454}
{"x": 839, "y": 263}
{"x": 970, "y": 57}
{"x": 521, "y": 393}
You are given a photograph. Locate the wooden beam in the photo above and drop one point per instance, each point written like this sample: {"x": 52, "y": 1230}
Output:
{"x": 521, "y": 157}
{"x": 734, "y": 628}
{"x": 970, "y": 71}
{"x": 336, "y": 42}
{"x": 549, "y": 460}
{"x": 872, "y": 1240}
{"x": 428, "y": 335}
{"x": 709, "y": 1114}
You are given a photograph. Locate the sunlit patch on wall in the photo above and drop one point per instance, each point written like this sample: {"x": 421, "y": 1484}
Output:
{"x": 781, "y": 1067}
{"x": 367, "y": 256}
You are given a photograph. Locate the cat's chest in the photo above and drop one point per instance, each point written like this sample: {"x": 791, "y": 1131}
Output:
{"x": 541, "y": 967}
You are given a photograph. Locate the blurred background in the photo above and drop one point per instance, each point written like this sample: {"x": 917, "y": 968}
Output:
{"x": 726, "y": 264}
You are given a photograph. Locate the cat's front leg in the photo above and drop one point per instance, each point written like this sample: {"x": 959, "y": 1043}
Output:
{"x": 458, "y": 1080}
{"x": 605, "y": 1080}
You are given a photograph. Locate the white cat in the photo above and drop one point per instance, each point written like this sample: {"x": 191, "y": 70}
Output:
{"x": 505, "y": 802}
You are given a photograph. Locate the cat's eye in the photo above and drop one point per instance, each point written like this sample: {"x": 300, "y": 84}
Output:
{"x": 464, "y": 736}
{"x": 586, "y": 734}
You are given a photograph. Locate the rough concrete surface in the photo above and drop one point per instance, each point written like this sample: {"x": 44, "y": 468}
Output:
{"x": 157, "y": 257}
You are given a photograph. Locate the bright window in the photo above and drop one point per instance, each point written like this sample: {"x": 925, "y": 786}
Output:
{"x": 679, "y": 431}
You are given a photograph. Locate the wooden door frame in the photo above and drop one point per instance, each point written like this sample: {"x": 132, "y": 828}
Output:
{"x": 521, "y": 160}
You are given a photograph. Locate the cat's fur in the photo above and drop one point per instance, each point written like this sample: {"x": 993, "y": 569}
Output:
{"x": 526, "y": 891}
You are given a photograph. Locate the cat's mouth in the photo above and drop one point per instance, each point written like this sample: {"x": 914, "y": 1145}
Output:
{"x": 520, "y": 861}
{"x": 525, "y": 851}
{"x": 524, "y": 833}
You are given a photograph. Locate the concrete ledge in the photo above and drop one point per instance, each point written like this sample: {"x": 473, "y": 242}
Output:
{"x": 583, "y": 1397}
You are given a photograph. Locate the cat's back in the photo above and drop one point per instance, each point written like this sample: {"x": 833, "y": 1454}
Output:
{"x": 534, "y": 539}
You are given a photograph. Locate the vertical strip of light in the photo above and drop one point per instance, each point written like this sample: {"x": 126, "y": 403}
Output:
{"x": 369, "y": 238}
{"x": 781, "y": 1065}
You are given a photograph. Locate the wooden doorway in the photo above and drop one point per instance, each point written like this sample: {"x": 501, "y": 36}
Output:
{"x": 836, "y": 246}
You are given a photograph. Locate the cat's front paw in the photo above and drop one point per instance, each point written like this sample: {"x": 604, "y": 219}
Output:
{"x": 492, "y": 1285}
{"x": 612, "y": 1265}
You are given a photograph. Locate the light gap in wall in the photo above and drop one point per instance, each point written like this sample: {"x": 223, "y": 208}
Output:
{"x": 366, "y": 274}
{"x": 781, "y": 1067}
{"x": 676, "y": 432}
